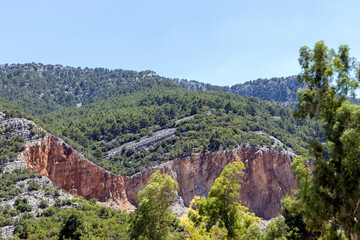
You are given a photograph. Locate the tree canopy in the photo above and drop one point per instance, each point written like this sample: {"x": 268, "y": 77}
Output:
{"x": 330, "y": 194}
{"x": 153, "y": 217}
{"x": 221, "y": 215}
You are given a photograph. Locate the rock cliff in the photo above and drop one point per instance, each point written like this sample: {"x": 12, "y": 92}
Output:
{"x": 268, "y": 176}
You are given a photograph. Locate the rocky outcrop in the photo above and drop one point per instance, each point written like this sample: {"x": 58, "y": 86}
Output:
{"x": 191, "y": 85}
{"x": 65, "y": 167}
{"x": 22, "y": 127}
{"x": 268, "y": 176}
{"x": 280, "y": 90}
{"x": 145, "y": 141}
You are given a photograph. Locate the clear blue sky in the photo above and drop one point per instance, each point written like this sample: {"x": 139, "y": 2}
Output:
{"x": 219, "y": 42}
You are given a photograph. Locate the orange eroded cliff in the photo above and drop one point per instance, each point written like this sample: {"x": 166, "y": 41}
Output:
{"x": 268, "y": 176}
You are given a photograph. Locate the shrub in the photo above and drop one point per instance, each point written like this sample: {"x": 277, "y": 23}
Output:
{"x": 43, "y": 204}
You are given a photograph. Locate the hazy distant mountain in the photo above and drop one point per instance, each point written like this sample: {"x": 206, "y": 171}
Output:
{"x": 280, "y": 90}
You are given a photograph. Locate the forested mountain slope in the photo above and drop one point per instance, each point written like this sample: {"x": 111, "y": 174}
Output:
{"x": 127, "y": 121}
{"x": 39, "y": 89}
{"x": 31, "y": 208}
{"x": 216, "y": 121}
{"x": 45, "y": 154}
{"x": 280, "y": 90}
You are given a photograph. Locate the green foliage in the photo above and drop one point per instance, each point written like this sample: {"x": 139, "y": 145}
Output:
{"x": 33, "y": 186}
{"x": 276, "y": 230}
{"x": 253, "y": 232}
{"x": 10, "y": 148}
{"x": 221, "y": 215}
{"x": 120, "y": 106}
{"x": 39, "y": 89}
{"x": 152, "y": 218}
{"x": 74, "y": 227}
{"x": 22, "y": 205}
{"x": 86, "y": 221}
{"x": 11, "y": 110}
{"x": 8, "y": 182}
{"x": 222, "y": 122}
{"x": 5, "y": 221}
{"x": 330, "y": 194}
{"x": 43, "y": 204}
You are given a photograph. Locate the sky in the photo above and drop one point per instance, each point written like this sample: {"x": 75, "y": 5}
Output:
{"x": 219, "y": 42}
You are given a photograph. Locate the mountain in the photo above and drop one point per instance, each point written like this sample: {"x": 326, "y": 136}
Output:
{"x": 101, "y": 133}
{"x": 140, "y": 116}
{"x": 280, "y": 90}
{"x": 39, "y": 89}
{"x": 32, "y": 206}
{"x": 52, "y": 158}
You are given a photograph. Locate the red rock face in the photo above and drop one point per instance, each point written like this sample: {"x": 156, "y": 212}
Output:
{"x": 268, "y": 176}
{"x": 66, "y": 168}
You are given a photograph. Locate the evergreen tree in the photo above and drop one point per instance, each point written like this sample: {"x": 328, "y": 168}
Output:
{"x": 153, "y": 215}
{"x": 330, "y": 195}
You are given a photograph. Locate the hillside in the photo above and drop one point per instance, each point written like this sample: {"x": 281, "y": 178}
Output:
{"x": 280, "y": 90}
{"x": 147, "y": 129}
{"x": 31, "y": 207}
{"x": 52, "y": 158}
{"x": 131, "y": 127}
{"x": 39, "y": 89}
{"x": 127, "y": 121}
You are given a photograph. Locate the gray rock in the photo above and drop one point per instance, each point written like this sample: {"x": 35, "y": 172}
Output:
{"x": 25, "y": 128}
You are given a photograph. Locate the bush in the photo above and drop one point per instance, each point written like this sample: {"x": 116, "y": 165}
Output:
{"x": 49, "y": 212}
{"x": 56, "y": 193}
{"x": 22, "y": 206}
{"x": 43, "y": 204}
{"x": 33, "y": 186}
{"x": 5, "y": 221}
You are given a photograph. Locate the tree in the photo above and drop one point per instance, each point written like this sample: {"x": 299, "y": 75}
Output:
{"x": 330, "y": 194}
{"x": 153, "y": 216}
{"x": 276, "y": 229}
{"x": 74, "y": 227}
{"x": 221, "y": 215}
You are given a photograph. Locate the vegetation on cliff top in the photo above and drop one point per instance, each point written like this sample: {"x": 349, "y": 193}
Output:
{"x": 218, "y": 121}
{"x": 97, "y": 110}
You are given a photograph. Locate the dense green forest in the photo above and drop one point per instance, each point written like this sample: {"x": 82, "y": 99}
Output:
{"x": 39, "y": 89}
{"x": 281, "y": 90}
{"x": 99, "y": 110}
{"x": 219, "y": 121}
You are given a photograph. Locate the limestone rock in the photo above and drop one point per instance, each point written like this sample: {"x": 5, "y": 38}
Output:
{"x": 25, "y": 128}
{"x": 268, "y": 175}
